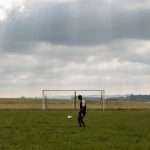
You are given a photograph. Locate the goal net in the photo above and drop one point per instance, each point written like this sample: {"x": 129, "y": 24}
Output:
{"x": 68, "y": 99}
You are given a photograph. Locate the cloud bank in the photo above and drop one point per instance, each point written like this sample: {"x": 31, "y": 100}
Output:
{"x": 72, "y": 44}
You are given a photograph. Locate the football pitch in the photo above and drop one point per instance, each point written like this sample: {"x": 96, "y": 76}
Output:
{"x": 50, "y": 130}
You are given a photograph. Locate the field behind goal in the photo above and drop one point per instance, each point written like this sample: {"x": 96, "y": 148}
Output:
{"x": 27, "y": 103}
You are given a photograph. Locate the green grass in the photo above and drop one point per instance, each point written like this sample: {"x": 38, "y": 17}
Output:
{"x": 50, "y": 130}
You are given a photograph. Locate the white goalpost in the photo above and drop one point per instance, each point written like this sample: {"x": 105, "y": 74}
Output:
{"x": 100, "y": 96}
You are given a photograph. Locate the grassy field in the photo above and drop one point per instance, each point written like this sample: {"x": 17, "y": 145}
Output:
{"x": 50, "y": 130}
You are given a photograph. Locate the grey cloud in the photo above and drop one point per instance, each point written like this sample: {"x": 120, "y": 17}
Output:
{"x": 75, "y": 23}
{"x": 131, "y": 25}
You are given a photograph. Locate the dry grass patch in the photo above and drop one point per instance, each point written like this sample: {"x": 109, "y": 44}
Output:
{"x": 69, "y": 104}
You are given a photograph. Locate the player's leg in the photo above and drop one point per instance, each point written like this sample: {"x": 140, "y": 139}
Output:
{"x": 83, "y": 122}
{"x": 83, "y": 115}
{"x": 79, "y": 119}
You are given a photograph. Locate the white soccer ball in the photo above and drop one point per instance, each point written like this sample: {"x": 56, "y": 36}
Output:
{"x": 69, "y": 117}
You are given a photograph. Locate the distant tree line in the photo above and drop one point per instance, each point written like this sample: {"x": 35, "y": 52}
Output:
{"x": 131, "y": 97}
{"x": 139, "y": 97}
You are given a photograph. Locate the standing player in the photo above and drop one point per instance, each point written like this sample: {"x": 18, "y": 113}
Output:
{"x": 82, "y": 111}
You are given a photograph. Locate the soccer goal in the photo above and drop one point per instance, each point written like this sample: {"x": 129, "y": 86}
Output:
{"x": 67, "y": 99}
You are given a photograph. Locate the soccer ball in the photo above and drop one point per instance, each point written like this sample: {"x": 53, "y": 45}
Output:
{"x": 69, "y": 117}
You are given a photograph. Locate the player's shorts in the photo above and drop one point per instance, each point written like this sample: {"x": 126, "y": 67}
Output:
{"x": 82, "y": 114}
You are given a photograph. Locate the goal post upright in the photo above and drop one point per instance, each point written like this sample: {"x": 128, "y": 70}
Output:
{"x": 75, "y": 99}
{"x": 101, "y": 92}
{"x": 103, "y": 99}
{"x": 43, "y": 100}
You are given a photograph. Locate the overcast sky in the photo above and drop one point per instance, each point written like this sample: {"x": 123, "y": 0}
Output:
{"x": 74, "y": 44}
